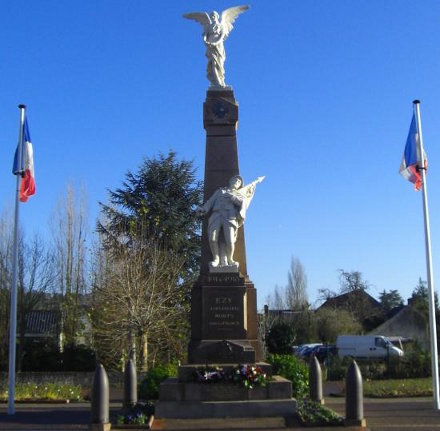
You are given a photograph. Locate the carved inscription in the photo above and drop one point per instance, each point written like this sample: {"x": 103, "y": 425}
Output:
{"x": 224, "y": 279}
{"x": 223, "y": 312}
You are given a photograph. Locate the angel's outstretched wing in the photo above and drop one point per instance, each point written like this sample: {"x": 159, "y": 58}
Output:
{"x": 229, "y": 16}
{"x": 201, "y": 17}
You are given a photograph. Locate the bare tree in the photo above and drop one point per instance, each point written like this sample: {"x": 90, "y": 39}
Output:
{"x": 69, "y": 228}
{"x": 331, "y": 323}
{"x": 137, "y": 304}
{"x": 326, "y": 294}
{"x": 273, "y": 313}
{"x": 36, "y": 275}
{"x": 275, "y": 300}
{"x": 352, "y": 281}
{"x": 296, "y": 289}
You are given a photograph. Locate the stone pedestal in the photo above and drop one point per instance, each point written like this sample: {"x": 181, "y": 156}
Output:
{"x": 224, "y": 321}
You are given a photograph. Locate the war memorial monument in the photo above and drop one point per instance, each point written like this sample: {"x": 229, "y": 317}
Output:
{"x": 224, "y": 321}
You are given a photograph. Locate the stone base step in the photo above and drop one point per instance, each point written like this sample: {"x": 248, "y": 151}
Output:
{"x": 173, "y": 390}
{"x": 225, "y": 409}
{"x": 274, "y": 423}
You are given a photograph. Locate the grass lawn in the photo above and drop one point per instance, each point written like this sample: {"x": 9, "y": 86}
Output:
{"x": 42, "y": 392}
{"x": 398, "y": 388}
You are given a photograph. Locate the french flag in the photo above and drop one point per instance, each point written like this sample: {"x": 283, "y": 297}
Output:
{"x": 25, "y": 165}
{"x": 409, "y": 168}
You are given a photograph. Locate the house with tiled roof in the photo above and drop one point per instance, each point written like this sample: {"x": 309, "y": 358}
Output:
{"x": 367, "y": 309}
{"x": 44, "y": 324}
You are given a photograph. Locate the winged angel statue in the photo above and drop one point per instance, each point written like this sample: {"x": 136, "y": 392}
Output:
{"x": 216, "y": 29}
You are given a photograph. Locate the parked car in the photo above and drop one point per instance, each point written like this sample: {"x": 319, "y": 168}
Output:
{"x": 304, "y": 350}
{"x": 366, "y": 346}
{"x": 323, "y": 353}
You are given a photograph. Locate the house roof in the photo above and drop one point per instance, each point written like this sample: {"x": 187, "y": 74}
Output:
{"x": 341, "y": 300}
{"x": 408, "y": 323}
{"x": 43, "y": 322}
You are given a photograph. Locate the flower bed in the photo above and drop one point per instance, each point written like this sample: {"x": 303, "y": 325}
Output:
{"x": 313, "y": 414}
{"x": 140, "y": 414}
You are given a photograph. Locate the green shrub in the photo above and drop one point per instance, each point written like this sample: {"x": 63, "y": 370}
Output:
{"x": 312, "y": 414}
{"x": 372, "y": 369}
{"x": 41, "y": 356}
{"x": 415, "y": 364}
{"x": 78, "y": 357}
{"x": 293, "y": 369}
{"x": 149, "y": 386}
{"x": 280, "y": 339}
{"x": 47, "y": 357}
{"x": 336, "y": 368}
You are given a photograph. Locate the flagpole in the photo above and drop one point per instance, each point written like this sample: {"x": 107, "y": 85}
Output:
{"x": 13, "y": 311}
{"x": 432, "y": 322}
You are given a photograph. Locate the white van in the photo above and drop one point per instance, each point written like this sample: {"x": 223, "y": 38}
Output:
{"x": 366, "y": 346}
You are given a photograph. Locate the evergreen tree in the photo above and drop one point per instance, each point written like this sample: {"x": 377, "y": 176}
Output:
{"x": 158, "y": 204}
{"x": 420, "y": 297}
{"x": 147, "y": 262}
{"x": 390, "y": 300}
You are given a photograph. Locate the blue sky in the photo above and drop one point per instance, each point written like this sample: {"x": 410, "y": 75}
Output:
{"x": 325, "y": 90}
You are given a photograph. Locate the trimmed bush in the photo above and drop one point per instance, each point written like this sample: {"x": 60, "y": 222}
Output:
{"x": 336, "y": 369}
{"x": 280, "y": 339}
{"x": 415, "y": 364}
{"x": 43, "y": 356}
{"x": 293, "y": 369}
{"x": 47, "y": 357}
{"x": 78, "y": 358}
{"x": 149, "y": 386}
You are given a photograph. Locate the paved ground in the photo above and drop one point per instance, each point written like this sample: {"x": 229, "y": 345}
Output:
{"x": 395, "y": 414}
{"x": 30, "y": 417}
{"x": 382, "y": 415}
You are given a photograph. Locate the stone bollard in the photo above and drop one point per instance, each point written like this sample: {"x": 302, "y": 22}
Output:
{"x": 100, "y": 401}
{"x": 315, "y": 380}
{"x": 354, "y": 398}
{"x": 130, "y": 385}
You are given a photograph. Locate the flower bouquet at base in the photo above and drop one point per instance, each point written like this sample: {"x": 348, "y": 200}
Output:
{"x": 249, "y": 376}
{"x": 210, "y": 375}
